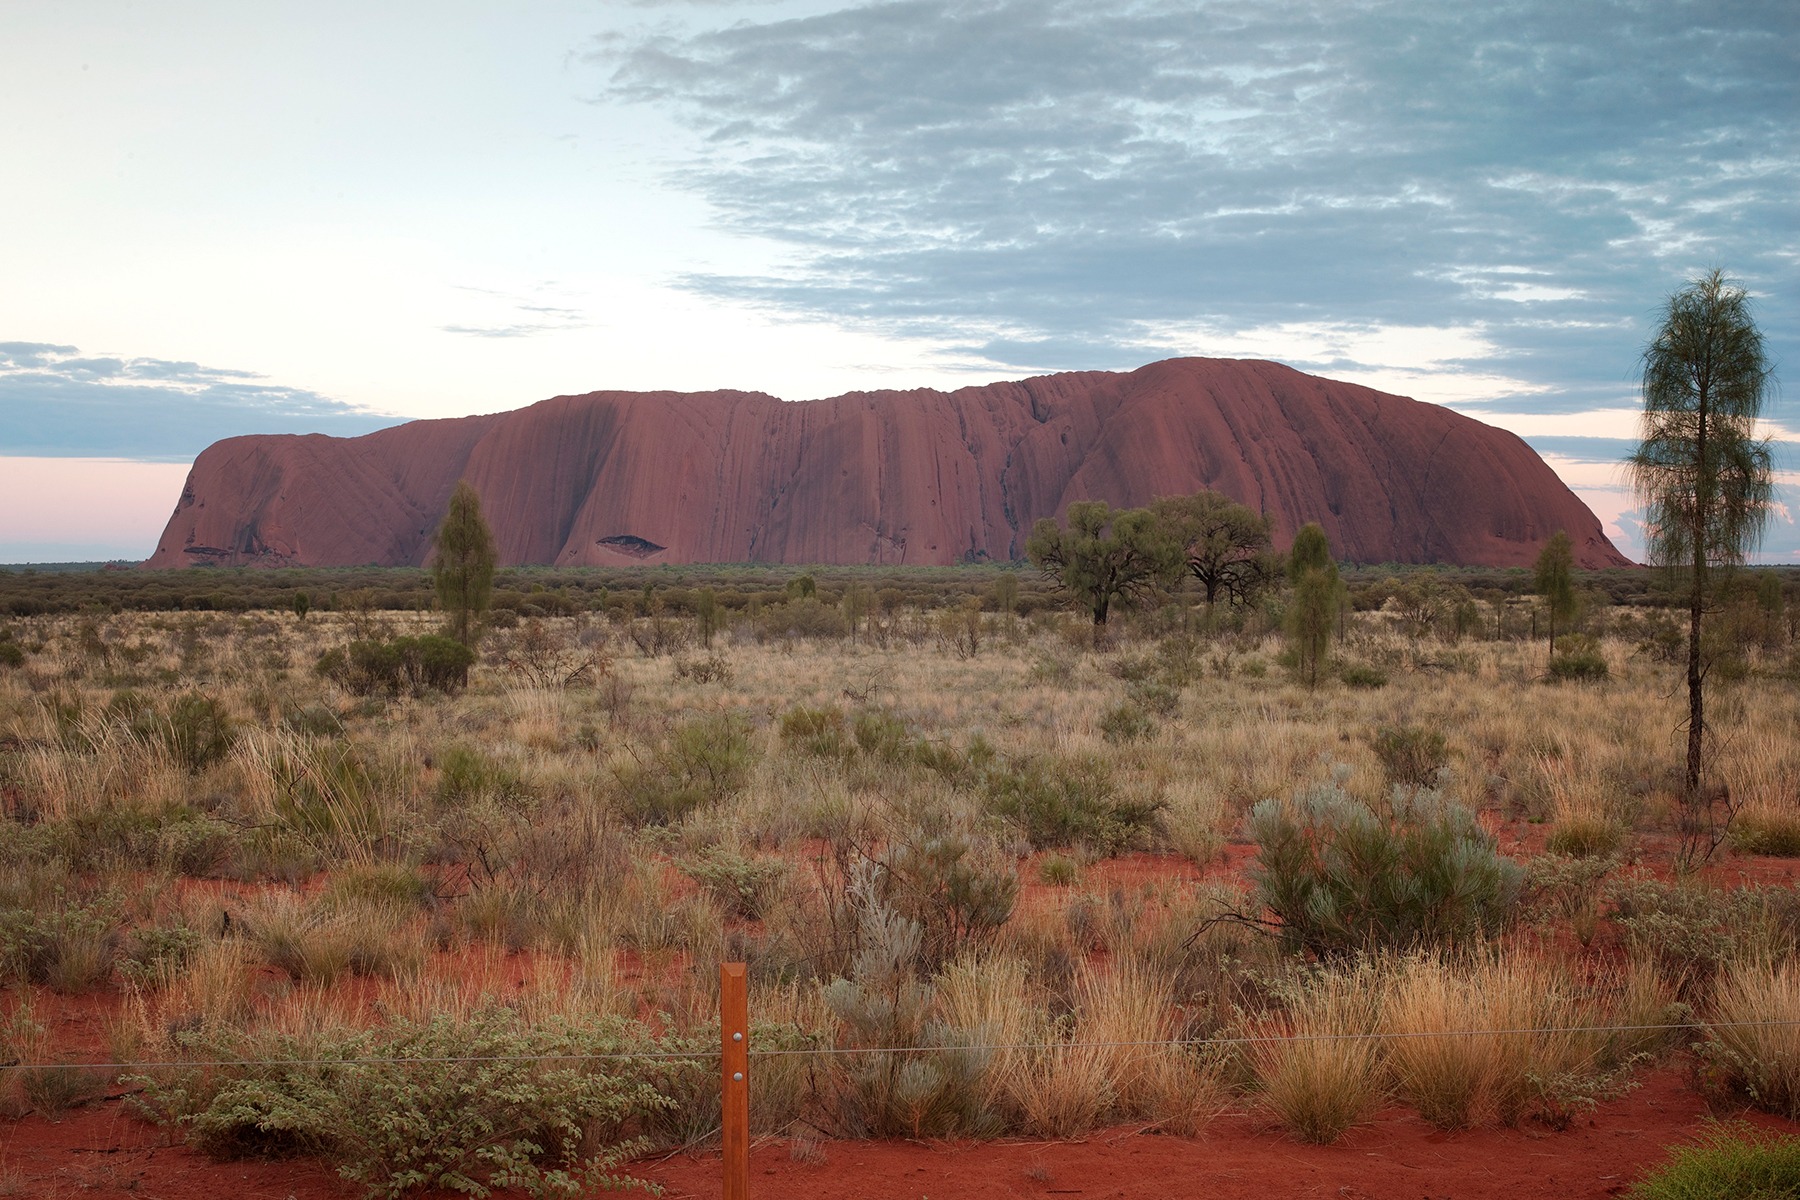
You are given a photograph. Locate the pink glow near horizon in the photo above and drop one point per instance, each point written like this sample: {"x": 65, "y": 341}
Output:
{"x": 84, "y": 508}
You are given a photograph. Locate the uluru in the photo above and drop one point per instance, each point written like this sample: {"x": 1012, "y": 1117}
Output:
{"x": 888, "y": 477}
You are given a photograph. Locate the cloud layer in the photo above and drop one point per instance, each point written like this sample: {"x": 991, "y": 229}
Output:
{"x": 1091, "y": 183}
{"x": 55, "y": 402}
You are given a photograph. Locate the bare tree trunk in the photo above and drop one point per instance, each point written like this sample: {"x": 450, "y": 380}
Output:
{"x": 1696, "y": 678}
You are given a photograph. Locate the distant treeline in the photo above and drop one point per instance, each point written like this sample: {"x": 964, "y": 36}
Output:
{"x": 625, "y": 591}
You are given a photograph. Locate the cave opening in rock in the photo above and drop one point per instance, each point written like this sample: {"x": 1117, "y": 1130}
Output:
{"x": 632, "y": 544}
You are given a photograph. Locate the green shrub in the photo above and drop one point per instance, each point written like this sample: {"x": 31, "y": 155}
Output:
{"x": 705, "y": 761}
{"x": 466, "y": 775}
{"x": 1411, "y": 756}
{"x": 153, "y": 952}
{"x": 472, "y": 1104}
{"x": 416, "y": 664}
{"x": 1689, "y": 930}
{"x": 1155, "y": 697}
{"x": 1728, "y": 1162}
{"x": 882, "y": 735}
{"x": 1132, "y": 668}
{"x": 744, "y": 885}
{"x": 198, "y": 732}
{"x": 1362, "y": 675}
{"x": 1065, "y": 801}
{"x": 1578, "y": 659}
{"x": 904, "y": 1073}
{"x": 959, "y": 768}
{"x": 1126, "y": 722}
{"x": 815, "y": 731}
{"x": 958, "y": 890}
{"x": 68, "y": 942}
{"x": 11, "y": 654}
{"x": 1342, "y": 878}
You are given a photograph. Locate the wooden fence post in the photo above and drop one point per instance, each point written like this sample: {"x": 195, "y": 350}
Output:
{"x": 734, "y": 1036}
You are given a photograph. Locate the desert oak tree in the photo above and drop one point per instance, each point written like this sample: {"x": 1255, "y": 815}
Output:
{"x": 1105, "y": 555}
{"x": 1555, "y": 581}
{"x": 1314, "y": 575}
{"x": 1225, "y": 544}
{"x": 462, "y": 565}
{"x": 1700, "y": 471}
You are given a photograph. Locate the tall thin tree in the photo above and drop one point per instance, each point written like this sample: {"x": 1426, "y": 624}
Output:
{"x": 1556, "y": 581}
{"x": 1700, "y": 471}
{"x": 463, "y": 564}
{"x": 1316, "y": 599}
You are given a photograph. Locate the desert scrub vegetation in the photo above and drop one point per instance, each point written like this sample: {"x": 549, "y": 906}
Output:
{"x": 1727, "y": 1161}
{"x": 1016, "y": 878}
{"x": 465, "y": 1101}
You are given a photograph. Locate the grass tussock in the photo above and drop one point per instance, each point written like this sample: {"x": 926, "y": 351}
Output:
{"x": 1753, "y": 1039}
{"x": 1318, "y": 1068}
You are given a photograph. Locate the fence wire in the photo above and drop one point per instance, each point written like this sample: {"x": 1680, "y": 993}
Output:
{"x": 951, "y": 1047}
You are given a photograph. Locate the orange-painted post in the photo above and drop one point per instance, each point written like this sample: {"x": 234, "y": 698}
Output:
{"x": 734, "y": 1035}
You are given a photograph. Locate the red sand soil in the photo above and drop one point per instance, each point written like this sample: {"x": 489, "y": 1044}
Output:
{"x": 1243, "y": 1157}
{"x": 100, "y": 1151}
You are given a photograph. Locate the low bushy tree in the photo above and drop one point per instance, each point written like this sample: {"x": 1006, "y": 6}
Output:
{"x": 1224, "y": 544}
{"x": 1106, "y": 555}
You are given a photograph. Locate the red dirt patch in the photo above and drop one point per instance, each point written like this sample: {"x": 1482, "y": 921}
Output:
{"x": 99, "y": 1151}
{"x": 1242, "y": 1157}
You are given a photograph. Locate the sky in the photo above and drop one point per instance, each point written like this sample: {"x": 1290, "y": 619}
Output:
{"x": 222, "y": 218}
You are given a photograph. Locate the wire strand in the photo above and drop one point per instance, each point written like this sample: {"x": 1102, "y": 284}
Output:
{"x": 707, "y": 1054}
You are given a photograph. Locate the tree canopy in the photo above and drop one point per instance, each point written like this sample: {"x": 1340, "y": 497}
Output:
{"x": 1700, "y": 471}
{"x": 463, "y": 563}
{"x": 1225, "y": 544}
{"x": 1555, "y": 580}
{"x": 1106, "y": 555}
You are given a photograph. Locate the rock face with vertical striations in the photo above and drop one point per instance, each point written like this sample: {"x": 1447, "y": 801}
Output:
{"x": 921, "y": 477}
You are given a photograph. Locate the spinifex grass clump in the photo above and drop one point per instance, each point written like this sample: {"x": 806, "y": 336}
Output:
{"x": 1319, "y": 1067}
{"x": 1340, "y": 877}
{"x": 1502, "y": 1037}
{"x": 1753, "y": 1039}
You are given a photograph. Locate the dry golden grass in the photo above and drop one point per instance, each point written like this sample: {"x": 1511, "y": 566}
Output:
{"x": 1761, "y": 768}
{"x": 1755, "y": 1033}
{"x": 990, "y": 999}
{"x": 1127, "y": 1012}
{"x": 1319, "y": 1065}
{"x": 1477, "y": 1040}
